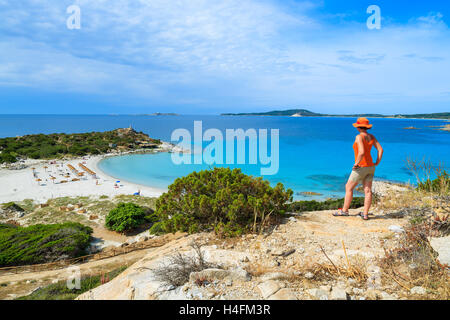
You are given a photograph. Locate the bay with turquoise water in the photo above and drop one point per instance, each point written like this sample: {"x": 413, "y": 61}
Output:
{"x": 315, "y": 153}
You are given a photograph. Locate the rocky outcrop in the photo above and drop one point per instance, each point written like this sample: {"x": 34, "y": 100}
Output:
{"x": 442, "y": 247}
{"x": 237, "y": 274}
{"x": 138, "y": 282}
{"x": 266, "y": 266}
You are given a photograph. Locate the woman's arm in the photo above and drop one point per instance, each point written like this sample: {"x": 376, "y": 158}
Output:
{"x": 360, "y": 151}
{"x": 379, "y": 151}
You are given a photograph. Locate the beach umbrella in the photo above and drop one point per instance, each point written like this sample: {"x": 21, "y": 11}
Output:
{"x": 53, "y": 178}
{"x": 45, "y": 167}
{"x": 117, "y": 181}
{"x": 38, "y": 181}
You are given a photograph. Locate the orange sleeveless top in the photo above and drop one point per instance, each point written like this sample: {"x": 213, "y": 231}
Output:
{"x": 367, "y": 158}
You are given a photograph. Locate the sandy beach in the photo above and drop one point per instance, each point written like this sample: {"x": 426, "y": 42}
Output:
{"x": 17, "y": 185}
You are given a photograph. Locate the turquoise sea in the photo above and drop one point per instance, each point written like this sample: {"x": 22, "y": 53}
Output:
{"x": 315, "y": 152}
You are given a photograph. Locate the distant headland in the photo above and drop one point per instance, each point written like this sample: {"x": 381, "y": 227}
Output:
{"x": 308, "y": 113}
{"x": 58, "y": 145}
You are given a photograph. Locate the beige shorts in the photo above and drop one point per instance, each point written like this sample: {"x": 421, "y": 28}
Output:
{"x": 363, "y": 174}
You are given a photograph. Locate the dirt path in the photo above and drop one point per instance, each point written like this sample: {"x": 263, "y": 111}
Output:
{"x": 22, "y": 283}
{"x": 308, "y": 232}
{"x": 105, "y": 234}
{"x": 321, "y": 228}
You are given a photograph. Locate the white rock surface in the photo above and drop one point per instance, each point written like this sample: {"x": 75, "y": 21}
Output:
{"x": 237, "y": 274}
{"x": 318, "y": 293}
{"x": 283, "y": 294}
{"x": 442, "y": 247}
{"x": 396, "y": 229}
{"x": 269, "y": 287}
{"x": 274, "y": 276}
{"x": 338, "y": 294}
{"x": 418, "y": 290}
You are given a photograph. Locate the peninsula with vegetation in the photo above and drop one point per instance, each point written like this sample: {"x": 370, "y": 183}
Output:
{"x": 308, "y": 113}
{"x": 58, "y": 145}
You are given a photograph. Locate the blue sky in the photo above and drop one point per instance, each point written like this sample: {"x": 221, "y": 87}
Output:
{"x": 208, "y": 57}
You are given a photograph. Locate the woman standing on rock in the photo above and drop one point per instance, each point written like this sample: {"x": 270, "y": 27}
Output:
{"x": 363, "y": 169}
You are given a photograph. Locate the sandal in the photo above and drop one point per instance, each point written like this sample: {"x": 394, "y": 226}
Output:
{"x": 363, "y": 216}
{"x": 360, "y": 213}
{"x": 340, "y": 213}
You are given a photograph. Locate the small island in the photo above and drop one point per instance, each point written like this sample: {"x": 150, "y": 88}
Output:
{"x": 308, "y": 113}
{"x": 164, "y": 114}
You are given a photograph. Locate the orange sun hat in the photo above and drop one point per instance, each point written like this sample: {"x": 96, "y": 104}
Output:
{"x": 362, "y": 122}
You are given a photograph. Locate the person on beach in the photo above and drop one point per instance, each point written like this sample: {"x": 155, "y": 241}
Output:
{"x": 364, "y": 168}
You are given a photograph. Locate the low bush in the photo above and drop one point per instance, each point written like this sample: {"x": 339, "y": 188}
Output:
{"x": 330, "y": 204}
{"x": 7, "y": 158}
{"x": 441, "y": 184}
{"x": 424, "y": 171}
{"x": 42, "y": 243}
{"x": 157, "y": 229}
{"x": 12, "y": 206}
{"x": 60, "y": 291}
{"x": 126, "y": 217}
{"x": 224, "y": 200}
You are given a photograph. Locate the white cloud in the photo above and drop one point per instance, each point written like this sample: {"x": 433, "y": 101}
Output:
{"x": 219, "y": 52}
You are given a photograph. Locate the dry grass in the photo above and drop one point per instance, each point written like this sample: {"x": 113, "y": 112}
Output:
{"x": 429, "y": 177}
{"x": 353, "y": 267}
{"x": 94, "y": 206}
{"x": 413, "y": 263}
{"x": 177, "y": 270}
{"x": 432, "y": 197}
{"x": 258, "y": 269}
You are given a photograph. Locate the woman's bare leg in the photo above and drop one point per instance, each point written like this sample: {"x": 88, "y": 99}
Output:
{"x": 349, "y": 187}
{"x": 367, "y": 196}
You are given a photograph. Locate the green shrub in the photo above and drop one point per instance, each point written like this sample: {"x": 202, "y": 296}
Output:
{"x": 221, "y": 199}
{"x": 42, "y": 243}
{"x": 7, "y": 157}
{"x": 157, "y": 229}
{"x": 151, "y": 216}
{"x": 12, "y": 206}
{"x": 125, "y": 217}
{"x": 330, "y": 204}
{"x": 440, "y": 185}
{"x": 60, "y": 291}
